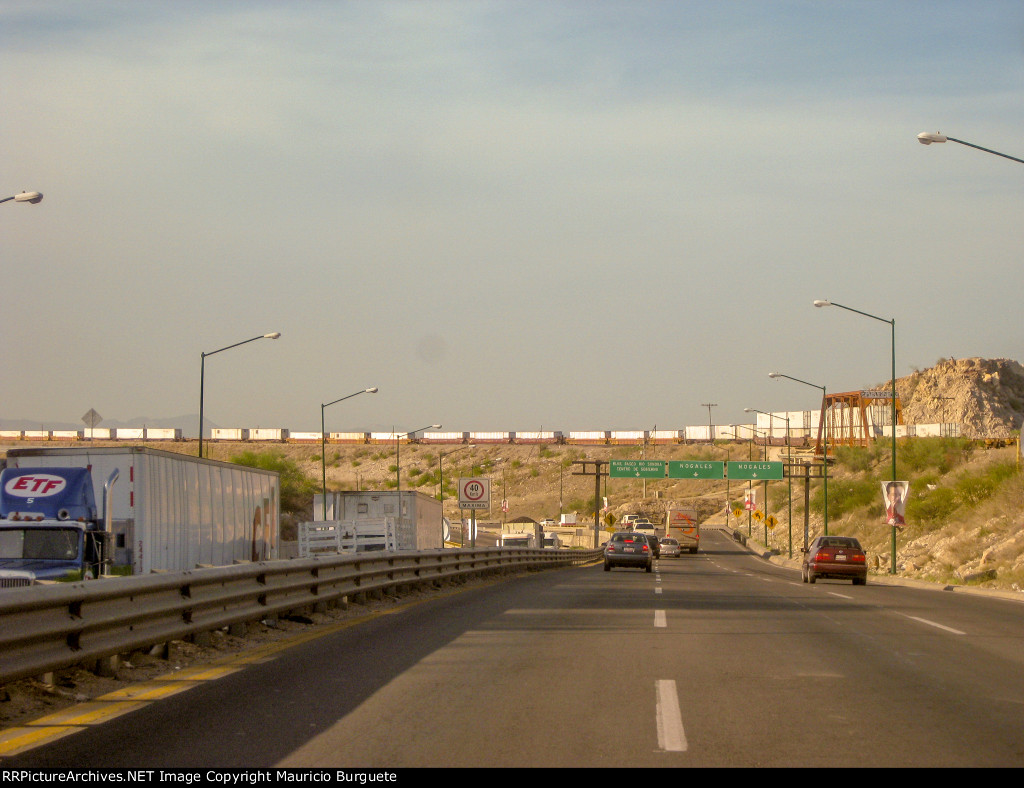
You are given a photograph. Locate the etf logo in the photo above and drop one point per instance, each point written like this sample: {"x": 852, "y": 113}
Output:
{"x": 35, "y": 485}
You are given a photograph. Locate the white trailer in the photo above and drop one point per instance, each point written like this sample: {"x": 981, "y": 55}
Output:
{"x": 413, "y": 518}
{"x": 170, "y": 511}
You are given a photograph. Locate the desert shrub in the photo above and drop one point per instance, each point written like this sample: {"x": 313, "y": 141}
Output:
{"x": 943, "y": 454}
{"x": 931, "y": 507}
{"x": 973, "y": 489}
{"x": 856, "y": 459}
{"x": 848, "y": 495}
{"x": 297, "y": 489}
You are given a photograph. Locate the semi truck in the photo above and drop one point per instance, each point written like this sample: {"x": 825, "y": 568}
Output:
{"x": 683, "y": 525}
{"x": 160, "y": 511}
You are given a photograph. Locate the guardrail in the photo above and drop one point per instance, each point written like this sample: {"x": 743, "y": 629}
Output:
{"x": 47, "y": 628}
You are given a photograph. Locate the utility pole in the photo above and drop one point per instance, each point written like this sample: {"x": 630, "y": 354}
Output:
{"x": 711, "y": 427}
{"x": 597, "y": 469}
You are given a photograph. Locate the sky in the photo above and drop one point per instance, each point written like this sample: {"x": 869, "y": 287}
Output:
{"x": 507, "y": 216}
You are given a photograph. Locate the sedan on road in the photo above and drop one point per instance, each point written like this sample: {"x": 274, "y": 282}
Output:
{"x": 628, "y": 549}
{"x": 835, "y": 556}
{"x": 670, "y": 547}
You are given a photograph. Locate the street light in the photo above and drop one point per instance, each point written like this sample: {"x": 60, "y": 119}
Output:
{"x": 440, "y": 478}
{"x": 398, "y": 461}
{"x": 789, "y": 470}
{"x": 202, "y": 375}
{"x": 30, "y": 197}
{"x": 892, "y": 324}
{"x": 323, "y": 440}
{"x": 824, "y": 447}
{"x": 927, "y": 138}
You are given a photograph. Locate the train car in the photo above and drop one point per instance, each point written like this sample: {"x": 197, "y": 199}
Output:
{"x": 536, "y": 437}
{"x": 305, "y": 437}
{"x": 269, "y": 434}
{"x": 628, "y": 438}
{"x": 490, "y": 437}
{"x": 10, "y": 435}
{"x": 36, "y": 435}
{"x": 701, "y": 434}
{"x": 66, "y": 435}
{"x": 665, "y": 437}
{"x": 584, "y": 438}
{"x": 391, "y": 437}
{"x": 229, "y": 434}
{"x": 348, "y": 437}
{"x": 445, "y": 437}
{"x": 163, "y": 434}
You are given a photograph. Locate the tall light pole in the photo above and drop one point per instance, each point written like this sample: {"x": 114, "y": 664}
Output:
{"x": 202, "y": 376}
{"x": 824, "y": 447}
{"x": 398, "y": 462}
{"x": 927, "y": 138}
{"x": 29, "y": 197}
{"x": 789, "y": 474}
{"x": 323, "y": 440}
{"x": 892, "y": 325}
{"x": 440, "y": 479}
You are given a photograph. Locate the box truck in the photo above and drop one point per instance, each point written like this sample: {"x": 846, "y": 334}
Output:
{"x": 683, "y": 525}
{"x": 161, "y": 511}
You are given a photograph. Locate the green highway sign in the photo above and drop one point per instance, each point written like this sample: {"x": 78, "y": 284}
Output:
{"x": 695, "y": 469}
{"x": 755, "y": 471}
{"x": 636, "y": 469}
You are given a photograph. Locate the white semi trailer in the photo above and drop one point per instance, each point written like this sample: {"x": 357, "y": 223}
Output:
{"x": 161, "y": 511}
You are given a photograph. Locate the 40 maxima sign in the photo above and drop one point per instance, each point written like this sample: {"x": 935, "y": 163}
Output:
{"x": 474, "y": 493}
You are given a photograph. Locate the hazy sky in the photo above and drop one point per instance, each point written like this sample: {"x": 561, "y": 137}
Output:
{"x": 507, "y": 215}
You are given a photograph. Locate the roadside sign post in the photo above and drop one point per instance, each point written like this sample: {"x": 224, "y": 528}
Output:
{"x": 597, "y": 473}
{"x": 91, "y": 419}
{"x": 474, "y": 493}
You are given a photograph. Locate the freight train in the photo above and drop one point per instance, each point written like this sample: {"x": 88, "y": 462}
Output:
{"x": 803, "y": 429}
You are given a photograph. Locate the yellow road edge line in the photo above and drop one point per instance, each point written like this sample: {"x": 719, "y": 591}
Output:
{"x": 121, "y": 701}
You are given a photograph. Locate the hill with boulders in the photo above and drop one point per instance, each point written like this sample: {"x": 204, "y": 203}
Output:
{"x": 984, "y": 396}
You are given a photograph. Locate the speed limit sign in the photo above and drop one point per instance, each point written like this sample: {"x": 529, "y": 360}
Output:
{"x": 474, "y": 493}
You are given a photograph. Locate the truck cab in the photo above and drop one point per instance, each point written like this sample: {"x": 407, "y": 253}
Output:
{"x": 49, "y": 529}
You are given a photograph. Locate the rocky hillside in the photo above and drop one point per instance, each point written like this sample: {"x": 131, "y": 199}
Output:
{"x": 984, "y": 396}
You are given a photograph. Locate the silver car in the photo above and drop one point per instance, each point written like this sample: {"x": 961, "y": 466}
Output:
{"x": 670, "y": 548}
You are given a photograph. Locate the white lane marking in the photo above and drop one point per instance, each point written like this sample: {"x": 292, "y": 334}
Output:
{"x": 659, "y": 618}
{"x": 841, "y": 596}
{"x": 657, "y": 590}
{"x": 934, "y": 624}
{"x": 671, "y": 736}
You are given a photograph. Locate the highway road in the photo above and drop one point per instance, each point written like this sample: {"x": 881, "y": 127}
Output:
{"x": 717, "y": 659}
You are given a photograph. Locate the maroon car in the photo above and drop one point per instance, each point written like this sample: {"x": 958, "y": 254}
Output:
{"x": 835, "y": 556}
